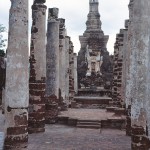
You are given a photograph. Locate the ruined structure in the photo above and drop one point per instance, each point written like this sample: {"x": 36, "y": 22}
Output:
{"x": 119, "y": 53}
{"x": 94, "y": 62}
{"x": 59, "y": 79}
{"x": 37, "y": 80}
{"x": 94, "y": 65}
{"x": 17, "y": 77}
{"x": 60, "y": 67}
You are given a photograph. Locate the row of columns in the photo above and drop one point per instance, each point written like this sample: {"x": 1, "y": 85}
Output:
{"x": 39, "y": 86}
{"x": 135, "y": 77}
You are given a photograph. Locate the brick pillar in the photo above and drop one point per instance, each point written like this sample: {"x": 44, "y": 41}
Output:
{"x": 140, "y": 104}
{"x": 52, "y": 66}
{"x": 139, "y": 138}
{"x": 17, "y": 77}
{"x": 117, "y": 73}
{"x": 37, "y": 81}
{"x": 124, "y": 63}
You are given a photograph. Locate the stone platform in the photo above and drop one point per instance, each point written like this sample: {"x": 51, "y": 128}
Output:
{"x": 94, "y": 92}
{"x": 106, "y": 119}
{"x": 91, "y": 102}
{"x": 61, "y": 137}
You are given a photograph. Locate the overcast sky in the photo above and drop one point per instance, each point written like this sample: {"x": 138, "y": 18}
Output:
{"x": 113, "y": 14}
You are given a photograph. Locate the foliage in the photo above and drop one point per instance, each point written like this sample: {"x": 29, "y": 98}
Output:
{"x": 2, "y": 40}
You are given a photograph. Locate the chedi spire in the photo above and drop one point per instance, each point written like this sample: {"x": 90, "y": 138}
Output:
{"x": 93, "y": 21}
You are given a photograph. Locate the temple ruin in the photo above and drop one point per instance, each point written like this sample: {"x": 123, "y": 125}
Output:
{"x": 94, "y": 61}
{"x": 53, "y": 85}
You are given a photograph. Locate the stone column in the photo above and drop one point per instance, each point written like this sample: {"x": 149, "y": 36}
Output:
{"x": 52, "y": 66}
{"x": 62, "y": 60}
{"x": 17, "y": 77}
{"x": 67, "y": 39}
{"x": 71, "y": 72}
{"x": 130, "y": 55}
{"x": 37, "y": 81}
{"x": 140, "y": 102}
{"x": 129, "y": 69}
{"x": 75, "y": 74}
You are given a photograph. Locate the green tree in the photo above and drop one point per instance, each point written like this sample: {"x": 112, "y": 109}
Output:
{"x": 2, "y": 40}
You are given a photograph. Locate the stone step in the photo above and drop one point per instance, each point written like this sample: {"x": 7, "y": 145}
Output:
{"x": 62, "y": 119}
{"x": 120, "y": 111}
{"x": 113, "y": 123}
{"x": 89, "y": 126}
{"x": 93, "y": 92}
{"x": 92, "y": 100}
{"x": 1, "y": 140}
{"x": 111, "y": 109}
{"x": 88, "y": 123}
{"x": 93, "y": 121}
{"x": 93, "y": 124}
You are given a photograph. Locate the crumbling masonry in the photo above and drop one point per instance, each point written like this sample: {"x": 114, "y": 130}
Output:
{"x": 37, "y": 82}
{"x": 47, "y": 81}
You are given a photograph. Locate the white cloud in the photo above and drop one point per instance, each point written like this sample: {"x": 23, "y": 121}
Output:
{"x": 113, "y": 14}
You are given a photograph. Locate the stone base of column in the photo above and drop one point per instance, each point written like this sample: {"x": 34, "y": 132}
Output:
{"x": 17, "y": 136}
{"x": 71, "y": 92}
{"x": 63, "y": 106}
{"x": 37, "y": 108}
{"x": 128, "y": 121}
{"x": 139, "y": 139}
{"x": 36, "y": 123}
{"x": 116, "y": 101}
{"x": 128, "y": 126}
{"x": 15, "y": 145}
{"x": 52, "y": 109}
